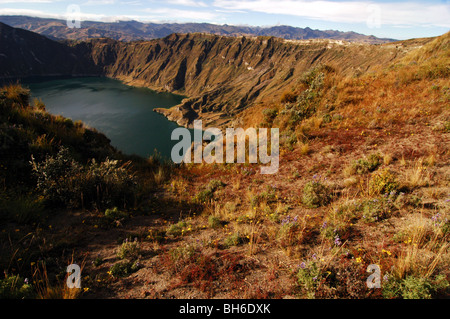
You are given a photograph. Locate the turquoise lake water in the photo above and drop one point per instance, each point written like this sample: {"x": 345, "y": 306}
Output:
{"x": 123, "y": 113}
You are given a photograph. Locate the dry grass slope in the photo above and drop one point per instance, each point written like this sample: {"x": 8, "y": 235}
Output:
{"x": 363, "y": 179}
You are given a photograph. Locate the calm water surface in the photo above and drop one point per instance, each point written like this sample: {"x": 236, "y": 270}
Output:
{"x": 123, "y": 113}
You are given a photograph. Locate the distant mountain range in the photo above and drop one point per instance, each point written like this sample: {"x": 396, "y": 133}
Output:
{"x": 134, "y": 30}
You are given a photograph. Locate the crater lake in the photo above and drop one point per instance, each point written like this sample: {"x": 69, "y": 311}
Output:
{"x": 123, "y": 113}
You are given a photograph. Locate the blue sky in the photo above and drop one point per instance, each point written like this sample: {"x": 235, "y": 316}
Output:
{"x": 382, "y": 18}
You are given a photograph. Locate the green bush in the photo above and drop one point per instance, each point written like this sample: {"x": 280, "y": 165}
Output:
{"x": 109, "y": 184}
{"x": 363, "y": 166}
{"x": 308, "y": 101}
{"x": 129, "y": 250}
{"x": 305, "y": 107}
{"x": 326, "y": 118}
{"x": 316, "y": 194}
{"x": 58, "y": 178}
{"x": 182, "y": 252}
{"x": 416, "y": 288}
{"x": 208, "y": 192}
{"x": 215, "y": 184}
{"x": 214, "y": 222}
{"x": 204, "y": 196}
{"x": 447, "y": 126}
{"x": 64, "y": 181}
{"x": 413, "y": 287}
{"x": 289, "y": 139}
{"x": 309, "y": 277}
{"x": 234, "y": 239}
{"x": 290, "y": 233}
{"x": 115, "y": 214}
{"x": 334, "y": 231}
{"x": 15, "y": 287}
{"x": 378, "y": 209}
{"x": 176, "y": 229}
{"x": 266, "y": 196}
{"x": 124, "y": 269}
{"x": 270, "y": 115}
{"x": 314, "y": 77}
{"x": 370, "y": 210}
{"x": 383, "y": 182}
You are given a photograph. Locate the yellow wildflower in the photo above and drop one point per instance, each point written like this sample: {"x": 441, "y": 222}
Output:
{"x": 387, "y": 252}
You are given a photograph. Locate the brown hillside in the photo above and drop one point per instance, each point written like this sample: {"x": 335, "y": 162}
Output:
{"x": 223, "y": 75}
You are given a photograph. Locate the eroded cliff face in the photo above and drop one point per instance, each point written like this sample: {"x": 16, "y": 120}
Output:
{"x": 24, "y": 53}
{"x": 221, "y": 76}
{"x": 224, "y": 75}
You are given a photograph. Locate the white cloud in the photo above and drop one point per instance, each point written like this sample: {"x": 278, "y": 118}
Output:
{"x": 158, "y": 17}
{"x": 131, "y": 3}
{"x": 187, "y": 3}
{"x": 42, "y": 14}
{"x": 179, "y": 14}
{"x": 99, "y": 2}
{"x": 394, "y": 13}
{"x": 28, "y": 12}
{"x": 28, "y": 1}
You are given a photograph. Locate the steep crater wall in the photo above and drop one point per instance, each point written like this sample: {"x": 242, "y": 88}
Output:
{"x": 224, "y": 75}
{"x": 220, "y": 75}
